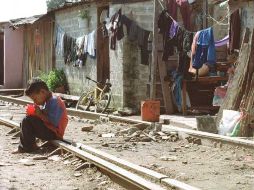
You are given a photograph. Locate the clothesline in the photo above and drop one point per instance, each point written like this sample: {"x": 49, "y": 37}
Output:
{"x": 208, "y": 16}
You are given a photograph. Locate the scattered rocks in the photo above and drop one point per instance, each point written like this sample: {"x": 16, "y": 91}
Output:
{"x": 193, "y": 140}
{"x": 103, "y": 183}
{"x": 168, "y": 158}
{"x": 54, "y": 158}
{"x": 77, "y": 174}
{"x": 108, "y": 135}
{"x": 87, "y": 128}
{"x": 40, "y": 158}
{"x": 105, "y": 145}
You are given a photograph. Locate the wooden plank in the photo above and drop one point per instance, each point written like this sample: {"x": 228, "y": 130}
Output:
{"x": 235, "y": 91}
{"x": 154, "y": 51}
{"x": 167, "y": 97}
{"x": 208, "y": 79}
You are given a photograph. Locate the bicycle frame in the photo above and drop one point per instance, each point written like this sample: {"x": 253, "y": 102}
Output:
{"x": 97, "y": 91}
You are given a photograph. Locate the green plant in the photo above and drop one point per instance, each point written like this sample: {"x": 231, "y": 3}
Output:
{"x": 43, "y": 76}
{"x": 55, "y": 79}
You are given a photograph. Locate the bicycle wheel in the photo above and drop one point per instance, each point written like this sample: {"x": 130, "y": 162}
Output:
{"x": 85, "y": 101}
{"x": 103, "y": 102}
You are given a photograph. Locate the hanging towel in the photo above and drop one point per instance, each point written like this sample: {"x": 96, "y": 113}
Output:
{"x": 205, "y": 50}
{"x": 90, "y": 44}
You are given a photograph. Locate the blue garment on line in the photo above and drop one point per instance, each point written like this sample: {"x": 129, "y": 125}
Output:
{"x": 205, "y": 51}
{"x": 178, "y": 78}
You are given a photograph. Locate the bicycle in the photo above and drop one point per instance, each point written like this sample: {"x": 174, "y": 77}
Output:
{"x": 97, "y": 100}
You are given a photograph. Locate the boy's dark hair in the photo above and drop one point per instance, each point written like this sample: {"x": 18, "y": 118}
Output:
{"x": 35, "y": 85}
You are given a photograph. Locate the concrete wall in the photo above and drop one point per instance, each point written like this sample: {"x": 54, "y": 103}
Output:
{"x": 13, "y": 57}
{"x": 128, "y": 76}
{"x": 247, "y": 15}
{"x": 73, "y": 25}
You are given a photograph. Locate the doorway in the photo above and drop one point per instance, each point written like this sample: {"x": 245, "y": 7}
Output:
{"x": 102, "y": 52}
{"x": 1, "y": 58}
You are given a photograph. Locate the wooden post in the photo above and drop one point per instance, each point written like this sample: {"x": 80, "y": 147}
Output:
{"x": 154, "y": 52}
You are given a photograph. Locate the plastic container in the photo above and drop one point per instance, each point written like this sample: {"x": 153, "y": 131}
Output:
{"x": 150, "y": 110}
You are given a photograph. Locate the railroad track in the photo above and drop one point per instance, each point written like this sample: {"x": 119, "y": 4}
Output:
{"x": 182, "y": 131}
{"x": 126, "y": 174}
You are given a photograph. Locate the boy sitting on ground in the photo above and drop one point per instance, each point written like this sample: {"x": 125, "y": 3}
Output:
{"x": 48, "y": 119}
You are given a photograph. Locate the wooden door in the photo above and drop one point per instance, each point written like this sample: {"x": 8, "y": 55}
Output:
{"x": 102, "y": 52}
{"x": 1, "y": 58}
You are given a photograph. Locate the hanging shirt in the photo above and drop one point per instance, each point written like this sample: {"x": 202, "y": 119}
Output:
{"x": 173, "y": 29}
{"x": 91, "y": 44}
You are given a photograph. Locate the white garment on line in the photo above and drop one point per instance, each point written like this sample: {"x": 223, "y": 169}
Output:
{"x": 90, "y": 43}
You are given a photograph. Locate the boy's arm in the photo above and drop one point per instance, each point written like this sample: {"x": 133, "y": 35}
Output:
{"x": 41, "y": 114}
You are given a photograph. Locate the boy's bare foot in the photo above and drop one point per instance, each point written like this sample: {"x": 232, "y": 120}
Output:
{"x": 21, "y": 150}
{"x": 18, "y": 151}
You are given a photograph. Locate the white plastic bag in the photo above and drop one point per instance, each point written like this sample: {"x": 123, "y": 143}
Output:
{"x": 228, "y": 121}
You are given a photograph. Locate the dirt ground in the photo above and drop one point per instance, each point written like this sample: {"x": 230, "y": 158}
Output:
{"x": 206, "y": 166}
{"x": 21, "y": 171}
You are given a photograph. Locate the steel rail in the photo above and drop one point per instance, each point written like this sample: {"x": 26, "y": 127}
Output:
{"x": 194, "y": 133}
{"x": 108, "y": 162}
{"x": 79, "y": 113}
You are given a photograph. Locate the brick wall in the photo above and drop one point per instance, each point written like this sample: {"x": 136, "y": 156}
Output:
{"x": 73, "y": 25}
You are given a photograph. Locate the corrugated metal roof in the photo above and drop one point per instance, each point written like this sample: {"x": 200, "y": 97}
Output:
{"x": 23, "y": 21}
{"x": 83, "y": 2}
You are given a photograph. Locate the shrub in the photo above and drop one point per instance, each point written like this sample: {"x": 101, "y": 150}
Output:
{"x": 55, "y": 79}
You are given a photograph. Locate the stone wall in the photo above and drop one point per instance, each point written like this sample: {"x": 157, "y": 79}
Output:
{"x": 73, "y": 25}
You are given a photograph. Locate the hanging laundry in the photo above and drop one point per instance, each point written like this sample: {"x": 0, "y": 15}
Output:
{"x": 185, "y": 10}
{"x": 222, "y": 42}
{"x": 81, "y": 56}
{"x": 172, "y": 8}
{"x": 59, "y": 38}
{"x": 173, "y": 29}
{"x": 143, "y": 36}
{"x": 69, "y": 46}
{"x": 205, "y": 49}
{"x": 181, "y": 2}
{"x": 164, "y": 25}
{"x": 234, "y": 31}
{"x": 90, "y": 44}
{"x": 116, "y": 29}
{"x": 187, "y": 40}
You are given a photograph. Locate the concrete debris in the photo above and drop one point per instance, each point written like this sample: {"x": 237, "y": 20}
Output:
{"x": 77, "y": 174}
{"x": 193, "y": 140}
{"x": 104, "y": 119}
{"x": 128, "y": 131}
{"x": 140, "y": 126}
{"x": 126, "y": 111}
{"x": 54, "y": 158}
{"x": 108, "y": 135}
{"x": 135, "y": 135}
{"x": 168, "y": 158}
{"x": 4, "y": 164}
{"x": 40, "y": 158}
{"x": 103, "y": 183}
{"x": 87, "y": 128}
{"x": 105, "y": 145}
